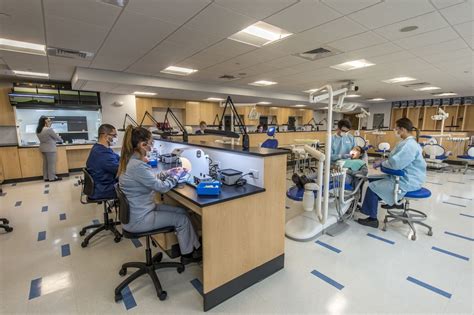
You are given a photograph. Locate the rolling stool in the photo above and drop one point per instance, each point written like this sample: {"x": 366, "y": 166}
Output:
{"x": 407, "y": 215}
{"x": 109, "y": 224}
{"x": 152, "y": 263}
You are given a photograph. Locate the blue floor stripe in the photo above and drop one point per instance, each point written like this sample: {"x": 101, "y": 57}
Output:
{"x": 46, "y": 186}
{"x": 128, "y": 299}
{"x": 197, "y": 285}
{"x": 380, "y": 238}
{"x": 18, "y": 203}
{"x": 334, "y": 249}
{"x": 41, "y": 236}
{"x": 65, "y": 250}
{"x": 467, "y": 215}
{"x": 325, "y": 278}
{"x": 449, "y": 253}
{"x": 35, "y": 288}
{"x": 95, "y": 221}
{"x": 434, "y": 183}
{"x": 459, "y": 197}
{"x": 460, "y": 236}
{"x": 46, "y": 192}
{"x": 136, "y": 242}
{"x": 429, "y": 287}
{"x": 454, "y": 204}
{"x": 62, "y": 216}
{"x": 44, "y": 209}
{"x": 14, "y": 184}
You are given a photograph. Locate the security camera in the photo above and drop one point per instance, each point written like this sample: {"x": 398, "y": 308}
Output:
{"x": 352, "y": 87}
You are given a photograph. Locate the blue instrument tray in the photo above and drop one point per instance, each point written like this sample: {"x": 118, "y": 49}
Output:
{"x": 208, "y": 188}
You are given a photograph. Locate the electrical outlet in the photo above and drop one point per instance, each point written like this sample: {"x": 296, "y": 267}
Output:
{"x": 254, "y": 173}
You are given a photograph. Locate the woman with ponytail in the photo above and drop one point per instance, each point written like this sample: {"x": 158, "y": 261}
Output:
{"x": 407, "y": 156}
{"x": 139, "y": 185}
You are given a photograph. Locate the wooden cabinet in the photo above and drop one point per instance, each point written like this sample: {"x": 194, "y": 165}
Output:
{"x": 413, "y": 113}
{"x": 7, "y": 115}
{"x": 263, "y": 110}
{"x": 282, "y": 115}
{"x": 307, "y": 115}
{"x": 9, "y": 163}
{"x": 397, "y": 113}
{"x": 468, "y": 118}
{"x": 31, "y": 162}
{"x": 144, "y": 104}
{"x": 201, "y": 111}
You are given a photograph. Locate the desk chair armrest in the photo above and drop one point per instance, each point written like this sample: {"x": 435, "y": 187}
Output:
{"x": 390, "y": 171}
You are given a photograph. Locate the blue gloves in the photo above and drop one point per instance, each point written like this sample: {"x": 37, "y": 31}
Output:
{"x": 177, "y": 173}
{"x": 377, "y": 164}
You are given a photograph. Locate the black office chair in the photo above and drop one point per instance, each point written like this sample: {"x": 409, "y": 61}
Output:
{"x": 152, "y": 263}
{"x": 109, "y": 224}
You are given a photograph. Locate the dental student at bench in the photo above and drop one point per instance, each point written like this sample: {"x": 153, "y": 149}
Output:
{"x": 342, "y": 141}
{"x": 139, "y": 185}
{"x": 407, "y": 156}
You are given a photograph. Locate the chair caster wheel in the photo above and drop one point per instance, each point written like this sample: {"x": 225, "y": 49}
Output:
{"x": 118, "y": 297}
{"x": 430, "y": 233}
{"x": 162, "y": 296}
{"x": 413, "y": 237}
{"x": 9, "y": 229}
{"x": 117, "y": 239}
{"x": 384, "y": 229}
{"x": 123, "y": 272}
{"x": 84, "y": 244}
{"x": 82, "y": 233}
{"x": 180, "y": 269}
{"x": 6, "y": 222}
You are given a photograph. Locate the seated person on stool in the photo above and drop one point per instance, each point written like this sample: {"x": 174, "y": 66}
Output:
{"x": 407, "y": 156}
{"x": 342, "y": 141}
{"x": 139, "y": 185}
{"x": 202, "y": 127}
{"x": 103, "y": 163}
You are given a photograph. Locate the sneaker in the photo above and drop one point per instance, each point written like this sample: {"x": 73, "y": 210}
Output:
{"x": 374, "y": 223}
{"x": 394, "y": 206}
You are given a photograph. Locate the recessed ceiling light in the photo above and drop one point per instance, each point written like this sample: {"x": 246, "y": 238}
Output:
{"x": 144, "y": 93}
{"x": 22, "y": 47}
{"x": 30, "y": 74}
{"x": 300, "y": 105}
{"x": 263, "y": 83}
{"x": 352, "y": 65}
{"x": 260, "y": 34}
{"x": 352, "y": 95}
{"x": 408, "y": 28}
{"x": 264, "y": 103}
{"x": 399, "y": 80}
{"x": 214, "y": 99}
{"x": 445, "y": 94}
{"x": 377, "y": 99}
{"x": 178, "y": 70}
{"x": 428, "y": 88}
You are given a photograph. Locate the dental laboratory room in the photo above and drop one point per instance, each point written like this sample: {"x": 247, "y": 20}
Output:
{"x": 236, "y": 157}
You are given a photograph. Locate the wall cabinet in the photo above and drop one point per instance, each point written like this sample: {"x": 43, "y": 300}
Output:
{"x": 7, "y": 116}
{"x": 201, "y": 111}
{"x": 144, "y": 104}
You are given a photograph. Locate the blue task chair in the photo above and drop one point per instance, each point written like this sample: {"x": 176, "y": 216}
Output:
{"x": 271, "y": 143}
{"x": 467, "y": 158}
{"x": 407, "y": 215}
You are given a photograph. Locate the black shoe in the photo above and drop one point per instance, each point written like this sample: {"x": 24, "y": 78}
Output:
{"x": 56, "y": 179}
{"x": 297, "y": 180}
{"x": 369, "y": 222}
{"x": 195, "y": 256}
{"x": 46, "y": 180}
{"x": 394, "y": 206}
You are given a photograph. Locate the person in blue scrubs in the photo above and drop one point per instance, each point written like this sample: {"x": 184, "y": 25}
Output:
{"x": 103, "y": 163}
{"x": 342, "y": 141}
{"x": 406, "y": 156}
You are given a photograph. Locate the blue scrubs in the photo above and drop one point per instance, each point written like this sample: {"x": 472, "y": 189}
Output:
{"x": 341, "y": 145}
{"x": 406, "y": 156}
{"x": 103, "y": 164}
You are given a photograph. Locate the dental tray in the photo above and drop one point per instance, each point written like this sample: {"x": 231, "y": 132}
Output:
{"x": 208, "y": 188}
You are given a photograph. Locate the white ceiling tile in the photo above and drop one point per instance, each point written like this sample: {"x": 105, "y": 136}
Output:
{"x": 452, "y": 57}
{"x": 229, "y": 48}
{"x": 444, "y": 47}
{"x": 391, "y": 11}
{"x": 86, "y": 11}
{"x": 373, "y": 51}
{"x": 359, "y": 41}
{"x": 77, "y": 36}
{"x": 470, "y": 42}
{"x": 202, "y": 61}
{"x": 25, "y": 22}
{"x": 440, "y": 4}
{"x": 334, "y": 30}
{"x": 60, "y": 72}
{"x": 466, "y": 30}
{"x": 348, "y": 6}
{"x": 297, "y": 43}
{"x": 219, "y": 21}
{"x": 258, "y": 9}
{"x": 174, "y": 11}
{"x": 303, "y": 16}
{"x": 426, "y": 23}
{"x": 460, "y": 13}
{"x": 194, "y": 40}
{"x": 123, "y": 47}
{"x": 286, "y": 61}
{"x": 25, "y": 62}
{"x": 430, "y": 38}
{"x": 396, "y": 56}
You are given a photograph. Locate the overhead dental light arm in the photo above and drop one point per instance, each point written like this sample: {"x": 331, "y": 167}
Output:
{"x": 442, "y": 115}
{"x": 363, "y": 114}
{"x": 177, "y": 122}
{"x": 149, "y": 116}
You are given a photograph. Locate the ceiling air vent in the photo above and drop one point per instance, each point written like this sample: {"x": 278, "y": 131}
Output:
{"x": 228, "y": 77}
{"x": 69, "y": 53}
{"x": 318, "y": 53}
{"x": 415, "y": 84}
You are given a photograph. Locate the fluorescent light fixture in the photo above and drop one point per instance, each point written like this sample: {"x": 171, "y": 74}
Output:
{"x": 260, "y": 34}
{"x": 428, "y": 88}
{"x": 399, "y": 80}
{"x": 263, "y": 83}
{"x": 377, "y": 99}
{"x": 264, "y": 103}
{"x": 22, "y": 47}
{"x": 214, "y": 99}
{"x": 352, "y": 95}
{"x": 446, "y": 94}
{"x": 300, "y": 105}
{"x": 352, "y": 65}
{"x": 144, "y": 93}
{"x": 178, "y": 70}
{"x": 30, "y": 74}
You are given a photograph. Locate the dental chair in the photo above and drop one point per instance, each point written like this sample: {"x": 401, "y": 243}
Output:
{"x": 435, "y": 155}
{"x": 467, "y": 158}
{"x": 361, "y": 142}
{"x": 270, "y": 143}
{"x": 407, "y": 215}
{"x": 383, "y": 149}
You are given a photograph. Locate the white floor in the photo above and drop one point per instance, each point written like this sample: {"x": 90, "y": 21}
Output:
{"x": 367, "y": 275}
